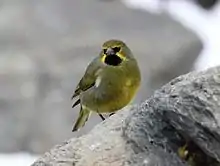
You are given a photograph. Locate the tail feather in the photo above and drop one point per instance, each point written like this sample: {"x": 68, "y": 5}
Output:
{"x": 82, "y": 118}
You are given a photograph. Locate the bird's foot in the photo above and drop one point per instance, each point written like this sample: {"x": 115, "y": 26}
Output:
{"x": 111, "y": 114}
{"x": 102, "y": 117}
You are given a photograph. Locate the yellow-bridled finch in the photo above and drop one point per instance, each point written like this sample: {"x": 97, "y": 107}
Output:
{"x": 110, "y": 82}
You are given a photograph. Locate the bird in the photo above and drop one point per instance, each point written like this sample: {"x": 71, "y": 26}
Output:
{"x": 109, "y": 83}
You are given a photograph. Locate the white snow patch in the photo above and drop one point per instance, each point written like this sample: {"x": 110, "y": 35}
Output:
{"x": 18, "y": 159}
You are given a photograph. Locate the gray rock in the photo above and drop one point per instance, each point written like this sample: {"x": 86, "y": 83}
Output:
{"x": 184, "y": 110}
{"x": 45, "y": 48}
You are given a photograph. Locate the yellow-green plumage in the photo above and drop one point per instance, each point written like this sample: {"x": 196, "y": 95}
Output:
{"x": 109, "y": 83}
{"x": 83, "y": 117}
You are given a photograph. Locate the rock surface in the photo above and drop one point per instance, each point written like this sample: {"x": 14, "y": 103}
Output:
{"x": 45, "y": 48}
{"x": 184, "y": 110}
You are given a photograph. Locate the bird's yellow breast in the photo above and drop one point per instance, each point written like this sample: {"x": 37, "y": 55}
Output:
{"x": 114, "y": 89}
{"x": 117, "y": 95}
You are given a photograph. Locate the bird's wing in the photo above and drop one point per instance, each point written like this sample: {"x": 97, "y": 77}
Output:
{"x": 88, "y": 80}
{"x": 84, "y": 84}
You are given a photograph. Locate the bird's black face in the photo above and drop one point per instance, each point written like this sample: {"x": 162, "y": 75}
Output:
{"x": 111, "y": 56}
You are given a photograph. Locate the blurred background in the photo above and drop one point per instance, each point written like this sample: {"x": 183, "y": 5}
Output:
{"x": 45, "y": 47}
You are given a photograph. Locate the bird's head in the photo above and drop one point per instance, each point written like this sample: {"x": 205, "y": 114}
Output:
{"x": 114, "y": 52}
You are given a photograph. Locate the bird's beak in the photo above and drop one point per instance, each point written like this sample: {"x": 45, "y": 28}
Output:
{"x": 110, "y": 51}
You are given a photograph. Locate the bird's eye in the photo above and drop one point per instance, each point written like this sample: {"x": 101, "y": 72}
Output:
{"x": 104, "y": 50}
{"x": 116, "y": 49}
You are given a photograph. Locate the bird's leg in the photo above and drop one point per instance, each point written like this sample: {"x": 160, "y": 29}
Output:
{"x": 111, "y": 114}
{"x": 102, "y": 117}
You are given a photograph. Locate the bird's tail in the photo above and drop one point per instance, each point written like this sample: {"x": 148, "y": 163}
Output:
{"x": 82, "y": 118}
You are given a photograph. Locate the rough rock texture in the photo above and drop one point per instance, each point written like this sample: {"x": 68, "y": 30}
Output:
{"x": 45, "y": 48}
{"x": 184, "y": 110}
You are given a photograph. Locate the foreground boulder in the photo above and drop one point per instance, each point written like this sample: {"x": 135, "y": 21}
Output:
{"x": 177, "y": 126}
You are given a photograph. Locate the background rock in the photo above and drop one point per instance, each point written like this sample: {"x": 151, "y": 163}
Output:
{"x": 45, "y": 47}
{"x": 185, "y": 110}
{"x": 207, "y": 4}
